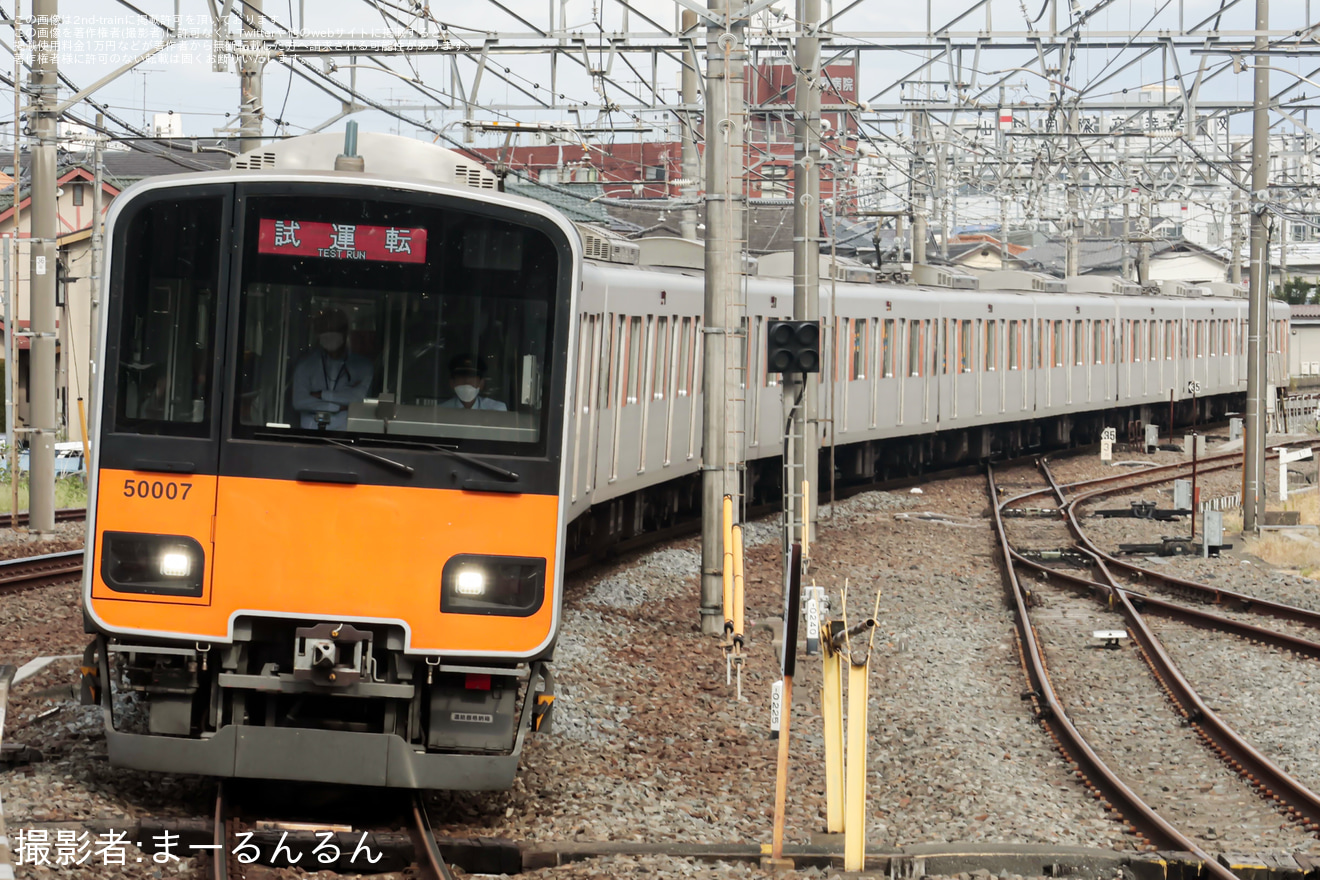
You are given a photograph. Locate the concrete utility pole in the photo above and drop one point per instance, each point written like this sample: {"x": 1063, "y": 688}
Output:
{"x": 94, "y": 279}
{"x": 1235, "y": 219}
{"x": 251, "y": 65}
{"x": 1073, "y": 262}
{"x": 1127, "y": 237}
{"x": 44, "y": 85}
{"x": 725, "y": 58}
{"x": 806, "y": 281}
{"x": 1257, "y": 325}
{"x": 11, "y": 294}
{"x": 691, "y": 166}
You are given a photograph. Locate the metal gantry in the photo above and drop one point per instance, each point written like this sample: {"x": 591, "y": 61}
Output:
{"x": 970, "y": 107}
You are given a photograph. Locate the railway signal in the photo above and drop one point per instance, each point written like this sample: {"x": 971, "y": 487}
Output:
{"x": 793, "y": 346}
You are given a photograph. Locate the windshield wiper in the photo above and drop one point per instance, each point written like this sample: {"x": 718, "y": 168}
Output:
{"x": 379, "y": 459}
{"x": 453, "y": 452}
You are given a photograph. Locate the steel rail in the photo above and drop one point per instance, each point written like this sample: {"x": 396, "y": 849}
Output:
{"x": 1232, "y": 457}
{"x": 1180, "y": 613}
{"x": 426, "y": 849}
{"x": 1050, "y": 711}
{"x": 1215, "y": 463}
{"x": 64, "y": 514}
{"x": 1182, "y": 586}
{"x": 221, "y": 858}
{"x": 40, "y": 571}
{"x": 1271, "y": 781}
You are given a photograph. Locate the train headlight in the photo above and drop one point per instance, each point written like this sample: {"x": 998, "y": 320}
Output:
{"x": 511, "y": 586}
{"x": 132, "y": 562}
{"x": 470, "y": 582}
{"x": 175, "y": 564}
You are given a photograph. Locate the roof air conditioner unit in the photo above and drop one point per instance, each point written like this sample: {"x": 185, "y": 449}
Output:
{"x": 601, "y": 244}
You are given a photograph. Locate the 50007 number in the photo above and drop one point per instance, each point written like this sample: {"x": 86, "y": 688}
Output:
{"x": 157, "y": 489}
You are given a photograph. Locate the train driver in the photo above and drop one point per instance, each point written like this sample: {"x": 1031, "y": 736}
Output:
{"x": 467, "y": 381}
{"x": 329, "y": 377}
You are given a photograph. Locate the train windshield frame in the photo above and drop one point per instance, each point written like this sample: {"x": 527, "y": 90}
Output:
{"x": 395, "y": 320}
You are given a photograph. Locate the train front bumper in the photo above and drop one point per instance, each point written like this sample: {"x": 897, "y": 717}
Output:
{"x": 329, "y": 756}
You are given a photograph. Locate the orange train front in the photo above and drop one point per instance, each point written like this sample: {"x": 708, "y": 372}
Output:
{"x": 326, "y": 529}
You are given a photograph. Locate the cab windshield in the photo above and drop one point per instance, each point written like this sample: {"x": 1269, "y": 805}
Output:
{"x": 393, "y": 322}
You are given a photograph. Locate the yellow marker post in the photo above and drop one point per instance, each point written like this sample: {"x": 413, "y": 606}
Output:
{"x": 738, "y": 584}
{"x": 728, "y": 563}
{"x": 82, "y": 422}
{"x": 854, "y": 823}
{"x": 806, "y": 524}
{"x": 831, "y": 702}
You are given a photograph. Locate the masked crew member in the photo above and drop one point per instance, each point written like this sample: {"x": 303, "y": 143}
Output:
{"x": 329, "y": 377}
{"x": 466, "y": 380}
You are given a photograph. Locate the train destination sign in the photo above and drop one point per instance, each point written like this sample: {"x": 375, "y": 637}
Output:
{"x": 342, "y": 241}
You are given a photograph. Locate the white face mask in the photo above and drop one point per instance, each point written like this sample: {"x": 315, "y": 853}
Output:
{"x": 332, "y": 341}
{"x": 466, "y": 393}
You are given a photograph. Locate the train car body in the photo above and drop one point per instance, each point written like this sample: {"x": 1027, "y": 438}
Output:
{"x": 309, "y": 560}
{"x": 291, "y": 582}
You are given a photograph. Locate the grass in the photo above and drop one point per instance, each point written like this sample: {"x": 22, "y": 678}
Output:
{"x": 69, "y": 492}
{"x": 1299, "y": 551}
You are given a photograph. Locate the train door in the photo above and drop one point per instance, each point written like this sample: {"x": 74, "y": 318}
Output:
{"x": 947, "y": 332}
{"x": 583, "y": 410}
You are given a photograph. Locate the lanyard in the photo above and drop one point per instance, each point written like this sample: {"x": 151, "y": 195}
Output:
{"x": 342, "y": 371}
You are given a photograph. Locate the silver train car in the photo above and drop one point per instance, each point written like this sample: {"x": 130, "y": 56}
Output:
{"x": 252, "y": 569}
{"x": 913, "y": 377}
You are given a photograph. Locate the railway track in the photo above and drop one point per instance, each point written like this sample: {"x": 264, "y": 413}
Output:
{"x": 64, "y": 514}
{"x": 40, "y": 571}
{"x": 237, "y": 842}
{"x": 1297, "y": 803}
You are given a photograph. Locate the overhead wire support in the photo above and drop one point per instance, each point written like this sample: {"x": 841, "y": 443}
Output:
{"x": 1253, "y": 472}
{"x": 44, "y": 253}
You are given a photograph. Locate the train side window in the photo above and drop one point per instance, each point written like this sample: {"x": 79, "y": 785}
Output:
{"x": 887, "y": 347}
{"x": 698, "y": 355}
{"x": 1098, "y": 341}
{"x": 660, "y": 370}
{"x": 166, "y": 345}
{"x": 603, "y": 395}
{"x": 684, "y": 356}
{"x": 1014, "y": 346}
{"x": 633, "y": 382}
{"x": 619, "y": 364}
{"x": 991, "y": 338}
{"x": 930, "y": 329}
{"x": 857, "y": 347}
{"x": 581, "y": 396}
{"x": 965, "y": 347}
{"x": 1056, "y": 344}
{"x": 872, "y": 346}
{"x": 1079, "y": 343}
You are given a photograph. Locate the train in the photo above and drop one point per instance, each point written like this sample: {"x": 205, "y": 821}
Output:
{"x": 356, "y": 407}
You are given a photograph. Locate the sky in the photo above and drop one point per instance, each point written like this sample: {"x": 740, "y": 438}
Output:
{"x": 97, "y": 35}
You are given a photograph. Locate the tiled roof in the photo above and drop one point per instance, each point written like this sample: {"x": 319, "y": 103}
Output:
{"x": 575, "y": 200}
{"x": 1306, "y": 311}
{"x": 123, "y": 167}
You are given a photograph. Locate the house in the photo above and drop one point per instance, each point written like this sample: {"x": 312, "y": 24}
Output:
{"x": 1304, "y": 346}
